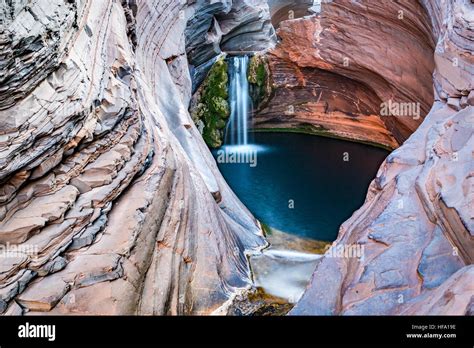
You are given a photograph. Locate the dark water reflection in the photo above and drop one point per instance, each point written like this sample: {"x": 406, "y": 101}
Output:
{"x": 301, "y": 183}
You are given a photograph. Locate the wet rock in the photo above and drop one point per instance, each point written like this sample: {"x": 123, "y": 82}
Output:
{"x": 257, "y": 302}
{"x": 284, "y": 274}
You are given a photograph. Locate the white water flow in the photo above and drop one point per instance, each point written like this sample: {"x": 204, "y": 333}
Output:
{"x": 237, "y": 128}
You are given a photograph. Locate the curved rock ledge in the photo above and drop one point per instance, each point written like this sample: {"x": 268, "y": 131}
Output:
{"x": 110, "y": 202}
{"x": 335, "y": 70}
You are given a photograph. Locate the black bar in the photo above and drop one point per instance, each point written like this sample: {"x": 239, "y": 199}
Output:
{"x": 191, "y": 331}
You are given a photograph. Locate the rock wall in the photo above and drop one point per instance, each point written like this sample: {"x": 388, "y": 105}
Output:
{"x": 110, "y": 202}
{"x": 281, "y": 10}
{"x": 227, "y": 25}
{"x": 336, "y": 69}
{"x": 417, "y": 223}
{"x": 321, "y": 102}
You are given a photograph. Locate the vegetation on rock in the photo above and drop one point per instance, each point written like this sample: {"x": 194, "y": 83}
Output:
{"x": 257, "y": 74}
{"x": 211, "y": 111}
{"x": 260, "y": 88}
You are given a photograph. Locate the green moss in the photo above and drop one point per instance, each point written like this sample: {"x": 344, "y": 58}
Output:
{"x": 258, "y": 78}
{"x": 257, "y": 74}
{"x": 213, "y": 108}
{"x": 267, "y": 230}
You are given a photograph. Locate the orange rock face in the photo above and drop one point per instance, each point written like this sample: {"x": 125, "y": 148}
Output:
{"x": 111, "y": 203}
{"x": 322, "y": 102}
{"x": 354, "y": 57}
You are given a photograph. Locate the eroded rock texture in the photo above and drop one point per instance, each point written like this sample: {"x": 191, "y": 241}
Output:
{"x": 281, "y": 10}
{"x": 108, "y": 195}
{"x": 417, "y": 223}
{"x": 227, "y": 25}
{"x": 333, "y": 71}
{"x": 110, "y": 202}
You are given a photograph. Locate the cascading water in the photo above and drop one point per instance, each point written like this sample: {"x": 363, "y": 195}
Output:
{"x": 237, "y": 128}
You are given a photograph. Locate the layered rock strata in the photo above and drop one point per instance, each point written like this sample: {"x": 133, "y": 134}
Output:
{"x": 281, "y": 10}
{"x": 321, "y": 102}
{"x": 110, "y": 202}
{"x": 417, "y": 224}
{"x": 227, "y": 25}
{"x": 335, "y": 70}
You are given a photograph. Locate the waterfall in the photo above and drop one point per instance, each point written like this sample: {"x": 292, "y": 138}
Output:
{"x": 237, "y": 131}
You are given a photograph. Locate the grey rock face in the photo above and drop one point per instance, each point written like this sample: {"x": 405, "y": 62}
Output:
{"x": 234, "y": 26}
{"x": 247, "y": 27}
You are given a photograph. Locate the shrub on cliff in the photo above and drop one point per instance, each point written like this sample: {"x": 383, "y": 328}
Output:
{"x": 212, "y": 109}
{"x": 258, "y": 77}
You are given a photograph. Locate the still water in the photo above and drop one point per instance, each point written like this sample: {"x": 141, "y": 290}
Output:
{"x": 302, "y": 184}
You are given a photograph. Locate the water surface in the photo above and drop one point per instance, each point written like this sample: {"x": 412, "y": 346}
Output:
{"x": 304, "y": 184}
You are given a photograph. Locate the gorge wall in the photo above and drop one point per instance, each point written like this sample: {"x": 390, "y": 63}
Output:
{"x": 110, "y": 202}
{"x": 417, "y": 223}
{"x": 333, "y": 71}
{"x": 113, "y": 204}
